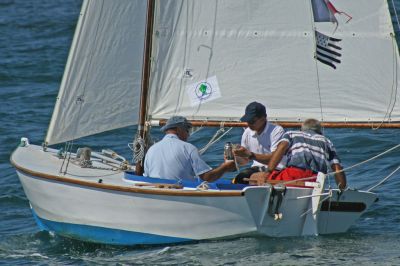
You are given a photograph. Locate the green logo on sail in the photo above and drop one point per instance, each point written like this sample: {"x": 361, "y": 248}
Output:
{"x": 203, "y": 90}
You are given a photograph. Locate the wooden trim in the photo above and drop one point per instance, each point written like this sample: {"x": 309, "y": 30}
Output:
{"x": 139, "y": 190}
{"x": 198, "y": 123}
{"x": 291, "y": 184}
{"x": 159, "y": 185}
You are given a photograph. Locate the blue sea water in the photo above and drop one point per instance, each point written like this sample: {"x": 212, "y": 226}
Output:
{"x": 34, "y": 42}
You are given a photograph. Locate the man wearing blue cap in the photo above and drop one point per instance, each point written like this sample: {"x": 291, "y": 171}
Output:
{"x": 259, "y": 141}
{"x": 174, "y": 158}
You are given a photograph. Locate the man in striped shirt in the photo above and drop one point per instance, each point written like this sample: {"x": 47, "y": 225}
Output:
{"x": 308, "y": 152}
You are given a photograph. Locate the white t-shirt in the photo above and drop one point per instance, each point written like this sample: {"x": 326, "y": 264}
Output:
{"x": 264, "y": 143}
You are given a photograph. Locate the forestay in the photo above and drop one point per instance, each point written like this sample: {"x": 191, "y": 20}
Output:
{"x": 211, "y": 58}
{"x": 101, "y": 84}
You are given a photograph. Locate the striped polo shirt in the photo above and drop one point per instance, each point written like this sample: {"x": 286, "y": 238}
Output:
{"x": 309, "y": 150}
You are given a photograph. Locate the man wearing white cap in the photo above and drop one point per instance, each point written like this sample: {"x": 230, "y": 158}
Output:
{"x": 174, "y": 158}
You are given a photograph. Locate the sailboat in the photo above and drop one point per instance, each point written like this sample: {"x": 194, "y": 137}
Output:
{"x": 135, "y": 62}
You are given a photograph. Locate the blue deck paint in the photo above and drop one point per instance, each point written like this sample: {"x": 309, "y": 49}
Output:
{"x": 103, "y": 235}
{"x": 222, "y": 184}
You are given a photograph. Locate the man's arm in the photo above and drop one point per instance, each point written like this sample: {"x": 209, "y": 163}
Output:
{"x": 261, "y": 178}
{"x": 245, "y": 153}
{"x": 340, "y": 177}
{"x": 262, "y": 158}
{"x": 216, "y": 173}
{"x": 277, "y": 155}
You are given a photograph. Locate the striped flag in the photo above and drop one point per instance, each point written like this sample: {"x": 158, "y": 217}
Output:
{"x": 327, "y": 50}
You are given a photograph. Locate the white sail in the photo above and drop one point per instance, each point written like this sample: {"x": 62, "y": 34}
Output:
{"x": 101, "y": 85}
{"x": 363, "y": 87}
{"x": 241, "y": 51}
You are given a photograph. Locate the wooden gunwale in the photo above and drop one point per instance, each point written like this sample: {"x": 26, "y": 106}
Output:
{"x": 139, "y": 190}
{"x": 153, "y": 189}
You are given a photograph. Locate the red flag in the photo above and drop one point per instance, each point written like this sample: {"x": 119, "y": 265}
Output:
{"x": 334, "y": 11}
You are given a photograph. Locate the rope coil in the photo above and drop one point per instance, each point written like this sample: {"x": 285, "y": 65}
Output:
{"x": 203, "y": 186}
{"x": 138, "y": 148}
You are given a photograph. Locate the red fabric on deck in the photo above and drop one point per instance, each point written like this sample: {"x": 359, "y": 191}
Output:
{"x": 292, "y": 173}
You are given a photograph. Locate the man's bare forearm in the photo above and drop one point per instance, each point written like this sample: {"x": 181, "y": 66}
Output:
{"x": 277, "y": 155}
{"x": 216, "y": 173}
{"x": 340, "y": 176}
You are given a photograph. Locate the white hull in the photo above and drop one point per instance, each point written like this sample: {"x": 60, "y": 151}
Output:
{"x": 116, "y": 211}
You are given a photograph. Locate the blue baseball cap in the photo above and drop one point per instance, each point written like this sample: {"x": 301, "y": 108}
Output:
{"x": 253, "y": 110}
{"x": 177, "y": 121}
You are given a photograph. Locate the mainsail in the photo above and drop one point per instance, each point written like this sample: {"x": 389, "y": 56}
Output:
{"x": 210, "y": 58}
{"x": 101, "y": 84}
{"x": 266, "y": 51}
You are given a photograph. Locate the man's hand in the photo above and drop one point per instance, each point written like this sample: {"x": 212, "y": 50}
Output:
{"x": 216, "y": 173}
{"x": 241, "y": 160}
{"x": 340, "y": 176}
{"x": 258, "y": 179}
{"x": 242, "y": 152}
{"x": 229, "y": 166}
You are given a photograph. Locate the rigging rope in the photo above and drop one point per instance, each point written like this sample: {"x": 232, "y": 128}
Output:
{"x": 60, "y": 153}
{"x": 68, "y": 150}
{"x": 383, "y": 180}
{"x": 395, "y": 13}
{"x": 319, "y": 203}
{"x": 370, "y": 159}
{"x": 351, "y": 167}
{"x": 214, "y": 139}
{"x": 194, "y": 131}
{"x": 319, "y": 93}
{"x": 138, "y": 148}
{"x": 393, "y": 95}
{"x": 316, "y": 66}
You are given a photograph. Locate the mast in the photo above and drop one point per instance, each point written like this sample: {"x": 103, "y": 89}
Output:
{"x": 145, "y": 78}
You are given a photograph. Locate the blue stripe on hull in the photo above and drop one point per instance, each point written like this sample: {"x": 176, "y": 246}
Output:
{"x": 103, "y": 235}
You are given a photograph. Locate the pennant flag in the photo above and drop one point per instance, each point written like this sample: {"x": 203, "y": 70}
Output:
{"x": 325, "y": 11}
{"x": 334, "y": 11}
{"x": 321, "y": 12}
{"x": 327, "y": 49}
